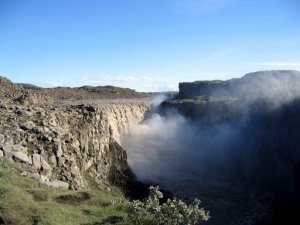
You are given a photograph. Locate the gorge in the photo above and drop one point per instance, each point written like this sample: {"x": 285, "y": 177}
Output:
{"x": 233, "y": 144}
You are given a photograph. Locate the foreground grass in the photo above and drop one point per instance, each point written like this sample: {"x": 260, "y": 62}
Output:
{"x": 23, "y": 201}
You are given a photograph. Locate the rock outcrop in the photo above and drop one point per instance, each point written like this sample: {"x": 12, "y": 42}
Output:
{"x": 244, "y": 133}
{"x": 231, "y": 100}
{"x": 27, "y": 94}
{"x": 265, "y": 84}
{"x": 65, "y": 144}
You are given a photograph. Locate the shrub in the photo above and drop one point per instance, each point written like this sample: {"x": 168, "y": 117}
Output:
{"x": 172, "y": 212}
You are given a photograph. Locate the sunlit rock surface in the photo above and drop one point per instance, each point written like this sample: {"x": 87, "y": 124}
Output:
{"x": 61, "y": 141}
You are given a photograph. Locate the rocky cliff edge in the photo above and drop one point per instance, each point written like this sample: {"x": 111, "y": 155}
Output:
{"x": 64, "y": 144}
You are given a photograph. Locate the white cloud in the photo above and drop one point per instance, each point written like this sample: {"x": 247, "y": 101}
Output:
{"x": 139, "y": 83}
{"x": 72, "y": 83}
{"x": 127, "y": 78}
{"x": 47, "y": 84}
{"x": 290, "y": 64}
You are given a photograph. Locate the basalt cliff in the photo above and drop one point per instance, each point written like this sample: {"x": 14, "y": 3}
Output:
{"x": 244, "y": 137}
{"x": 234, "y": 99}
{"x": 64, "y": 136}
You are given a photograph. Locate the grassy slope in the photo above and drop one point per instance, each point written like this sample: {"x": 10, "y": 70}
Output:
{"x": 24, "y": 201}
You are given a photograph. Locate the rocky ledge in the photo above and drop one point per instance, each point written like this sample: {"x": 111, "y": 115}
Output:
{"x": 231, "y": 100}
{"x": 62, "y": 144}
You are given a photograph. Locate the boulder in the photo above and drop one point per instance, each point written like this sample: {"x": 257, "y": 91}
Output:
{"x": 36, "y": 160}
{"x": 22, "y": 157}
{"x": 46, "y": 130}
{"x": 42, "y": 179}
{"x": 7, "y": 148}
{"x": 27, "y": 126}
{"x": 19, "y": 148}
{"x": 38, "y": 130}
{"x": 61, "y": 161}
{"x": 24, "y": 174}
{"x": 52, "y": 160}
{"x": 58, "y": 184}
{"x": 45, "y": 165}
{"x": 1, "y": 154}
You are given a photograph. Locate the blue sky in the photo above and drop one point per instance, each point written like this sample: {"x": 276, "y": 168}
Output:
{"x": 147, "y": 45}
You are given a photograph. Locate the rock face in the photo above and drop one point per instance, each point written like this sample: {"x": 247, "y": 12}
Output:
{"x": 246, "y": 133}
{"x": 258, "y": 85}
{"x": 230, "y": 100}
{"x": 64, "y": 144}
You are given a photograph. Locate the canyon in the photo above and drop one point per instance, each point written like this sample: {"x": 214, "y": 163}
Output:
{"x": 63, "y": 141}
{"x": 233, "y": 144}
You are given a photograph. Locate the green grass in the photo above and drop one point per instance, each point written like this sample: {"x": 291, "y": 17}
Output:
{"x": 226, "y": 99}
{"x": 214, "y": 99}
{"x": 23, "y": 201}
{"x": 91, "y": 181}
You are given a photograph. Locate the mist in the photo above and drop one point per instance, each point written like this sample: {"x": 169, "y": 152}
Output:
{"x": 253, "y": 151}
{"x": 172, "y": 146}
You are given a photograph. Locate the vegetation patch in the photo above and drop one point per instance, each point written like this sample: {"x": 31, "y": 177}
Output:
{"x": 2, "y": 191}
{"x": 73, "y": 199}
{"x": 38, "y": 195}
{"x": 23, "y": 201}
{"x": 226, "y": 99}
{"x": 172, "y": 212}
{"x": 91, "y": 181}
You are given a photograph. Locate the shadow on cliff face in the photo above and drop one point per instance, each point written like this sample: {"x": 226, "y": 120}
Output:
{"x": 242, "y": 168}
{"x": 171, "y": 145}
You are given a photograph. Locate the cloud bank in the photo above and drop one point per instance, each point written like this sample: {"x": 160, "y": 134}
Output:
{"x": 139, "y": 83}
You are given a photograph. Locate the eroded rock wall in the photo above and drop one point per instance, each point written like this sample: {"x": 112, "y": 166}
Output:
{"x": 63, "y": 145}
{"x": 269, "y": 85}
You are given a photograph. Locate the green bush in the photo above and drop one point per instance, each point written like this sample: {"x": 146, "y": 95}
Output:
{"x": 172, "y": 212}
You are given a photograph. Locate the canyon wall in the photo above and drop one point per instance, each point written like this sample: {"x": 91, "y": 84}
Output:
{"x": 67, "y": 145}
{"x": 234, "y": 144}
{"x": 278, "y": 85}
